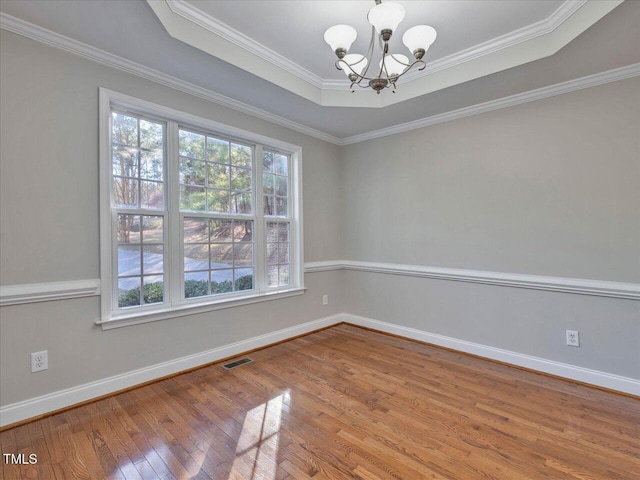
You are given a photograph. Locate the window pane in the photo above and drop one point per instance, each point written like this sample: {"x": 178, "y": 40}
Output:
{"x": 269, "y": 205}
{"x": 272, "y": 232}
{"x": 284, "y": 275}
{"x": 128, "y": 229}
{"x": 151, "y": 165}
{"x": 125, "y": 192}
{"x": 244, "y": 279}
{"x": 221, "y": 255}
{"x": 242, "y": 231}
{"x": 153, "y": 289}
{"x": 241, "y": 155}
{"x": 218, "y": 200}
{"x": 240, "y": 178}
{"x": 281, "y": 186}
{"x": 195, "y": 230}
{"x": 125, "y": 161}
{"x": 217, "y": 150}
{"x": 152, "y": 259}
{"x": 272, "y": 254}
{"x": 124, "y": 129}
{"x": 151, "y": 195}
{"x": 192, "y": 198}
{"x": 128, "y": 292}
{"x": 196, "y": 257}
{"x": 280, "y": 165}
{"x": 151, "y": 135}
{"x": 243, "y": 255}
{"x": 196, "y": 284}
{"x": 192, "y": 171}
{"x": 283, "y": 253}
{"x": 283, "y": 232}
{"x": 221, "y": 281}
{"x": 221, "y": 231}
{"x": 128, "y": 260}
{"x": 281, "y": 207}
{"x": 191, "y": 144}
{"x": 241, "y": 202}
{"x": 267, "y": 183}
{"x": 218, "y": 175}
{"x": 267, "y": 161}
{"x": 152, "y": 231}
{"x": 272, "y": 276}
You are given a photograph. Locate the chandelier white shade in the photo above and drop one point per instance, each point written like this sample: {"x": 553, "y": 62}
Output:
{"x": 386, "y": 16}
{"x": 419, "y": 37}
{"x": 384, "y": 19}
{"x": 340, "y": 37}
{"x": 395, "y": 64}
{"x": 357, "y": 63}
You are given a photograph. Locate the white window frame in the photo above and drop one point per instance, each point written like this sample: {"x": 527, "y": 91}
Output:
{"x": 175, "y": 305}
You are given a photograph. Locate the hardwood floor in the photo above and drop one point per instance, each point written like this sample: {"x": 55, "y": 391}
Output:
{"x": 343, "y": 403}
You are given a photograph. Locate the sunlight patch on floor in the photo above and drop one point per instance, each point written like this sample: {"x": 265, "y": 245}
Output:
{"x": 257, "y": 449}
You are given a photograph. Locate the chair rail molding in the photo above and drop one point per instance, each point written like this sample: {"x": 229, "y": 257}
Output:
{"x": 600, "y": 288}
{"x": 44, "y": 292}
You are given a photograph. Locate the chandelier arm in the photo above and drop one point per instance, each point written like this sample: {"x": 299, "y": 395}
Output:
{"x": 389, "y": 77}
{"x": 383, "y": 64}
{"x": 368, "y": 55}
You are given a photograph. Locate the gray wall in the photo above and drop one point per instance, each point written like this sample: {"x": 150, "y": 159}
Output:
{"x": 545, "y": 188}
{"x": 49, "y": 226}
{"x": 548, "y": 188}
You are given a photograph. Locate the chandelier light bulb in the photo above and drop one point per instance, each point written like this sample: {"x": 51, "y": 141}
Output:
{"x": 418, "y": 39}
{"x": 395, "y": 64}
{"x": 357, "y": 63}
{"x": 340, "y": 38}
{"x": 385, "y": 17}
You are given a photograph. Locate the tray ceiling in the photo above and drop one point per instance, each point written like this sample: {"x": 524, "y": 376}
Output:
{"x": 282, "y": 41}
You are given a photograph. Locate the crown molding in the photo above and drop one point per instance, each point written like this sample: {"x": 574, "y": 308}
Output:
{"x": 53, "y": 39}
{"x": 47, "y": 37}
{"x": 524, "y": 34}
{"x": 594, "y": 80}
{"x": 215, "y": 26}
{"x": 532, "y": 42}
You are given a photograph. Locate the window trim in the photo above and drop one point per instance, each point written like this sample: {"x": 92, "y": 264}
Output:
{"x": 110, "y": 317}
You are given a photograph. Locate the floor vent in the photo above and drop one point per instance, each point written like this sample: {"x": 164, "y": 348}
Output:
{"x": 237, "y": 363}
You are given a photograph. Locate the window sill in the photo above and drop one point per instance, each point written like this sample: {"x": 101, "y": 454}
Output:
{"x": 129, "y": 319}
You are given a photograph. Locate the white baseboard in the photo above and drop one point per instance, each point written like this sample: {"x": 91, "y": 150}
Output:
{"x": 20, "y": 411}
{"x": 34, "y": 407}
{"x": 572, "y": 372}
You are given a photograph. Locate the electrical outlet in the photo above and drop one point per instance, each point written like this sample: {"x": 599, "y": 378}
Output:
{"x": 325, "y": 299}
{"x": 573, "y": 338}
{"x": 39, "y": 361}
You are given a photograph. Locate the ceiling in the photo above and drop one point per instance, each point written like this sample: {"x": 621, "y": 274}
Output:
{"x": 271, "y": 56}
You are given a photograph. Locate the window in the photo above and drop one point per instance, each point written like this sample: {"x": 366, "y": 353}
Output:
{"x": 195, "y": 215}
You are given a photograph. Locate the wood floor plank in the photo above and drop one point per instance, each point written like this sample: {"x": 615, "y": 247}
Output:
{"x": 342, "y": 403}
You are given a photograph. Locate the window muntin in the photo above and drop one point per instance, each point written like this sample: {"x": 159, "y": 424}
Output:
{"x": 138, "y": 171}
{"x": 215, "y": 174}
{"x": 138, "y": 162}
{"x": 278, "y": 260}
{"x": 140, "y": 260}
{"x": 275, "y": 178}
{"x": 218, "y": 256}
{"x": 141, "y": 151}
{"x": 275, "y": 181}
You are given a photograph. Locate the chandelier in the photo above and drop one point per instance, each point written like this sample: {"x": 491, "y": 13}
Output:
{"x": 384, "y": 19}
